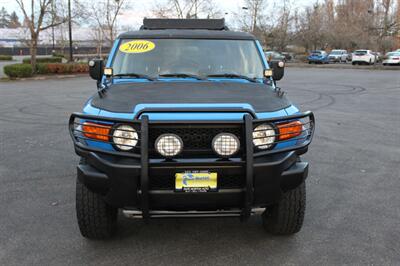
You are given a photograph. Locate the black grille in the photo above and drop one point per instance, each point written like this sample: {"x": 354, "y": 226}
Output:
{"x": 168, "y": 182}
{"x": 197, "y": 139}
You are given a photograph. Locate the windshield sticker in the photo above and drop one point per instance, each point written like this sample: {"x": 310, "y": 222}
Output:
{"x": 137, "y": 46}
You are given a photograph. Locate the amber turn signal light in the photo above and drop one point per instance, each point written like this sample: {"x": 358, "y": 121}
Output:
{"x": 96, "y": 131}
{"x": 290, "y": 130}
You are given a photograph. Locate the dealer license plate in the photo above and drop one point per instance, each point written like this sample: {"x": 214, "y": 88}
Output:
{"x": 195, "y": 181}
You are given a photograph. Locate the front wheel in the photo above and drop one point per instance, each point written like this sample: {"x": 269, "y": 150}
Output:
{"x": 286, "y": 217}
{"x": 96, "y": 219}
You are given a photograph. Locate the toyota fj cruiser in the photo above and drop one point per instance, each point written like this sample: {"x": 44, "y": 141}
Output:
{"x": 188, "y": 122}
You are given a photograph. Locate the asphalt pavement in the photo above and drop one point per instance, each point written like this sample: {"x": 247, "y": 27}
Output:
{"x": 353, "y": 200}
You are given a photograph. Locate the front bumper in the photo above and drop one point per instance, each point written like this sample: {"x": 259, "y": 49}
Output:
{"x": 119, "y": 181}
{"x": 147, "y": 184}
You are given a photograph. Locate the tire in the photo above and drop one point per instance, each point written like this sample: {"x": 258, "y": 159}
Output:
{"x": 286, "y": 217}
{"x": 353, "y": 63}
{"x": 96, "y": 219}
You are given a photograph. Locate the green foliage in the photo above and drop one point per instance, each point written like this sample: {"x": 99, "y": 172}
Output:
{"x": 14, "y": 21}
{"x": 18, "y": 70}
{"x": 44, "y": 60}
{"x": 6, "y": 57}
{"x": 58, "y": 55}
{"x": 25, "y": 70}
{"x": 41, "y": 68}
{"x": 4, "y": 18}
{"x": 60, "y": 68}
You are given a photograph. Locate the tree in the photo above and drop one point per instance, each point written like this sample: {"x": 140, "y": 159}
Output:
{"x": 251, "y": 17}
{"x": 105, "y": 15}
{"x": 388, "y": 24}
{"x": 4, "y": 18}
{"x": 278, "y": 35}
{"x": 186, "y": 9}
{"x": 310, "y": 27}
{"x": 35, "y": 21}
{"x": 14, "y": 21}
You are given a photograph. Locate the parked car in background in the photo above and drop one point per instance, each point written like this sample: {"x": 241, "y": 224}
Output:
{"x": 288, "y": 56}
{"x": 274, "y": 56}
{"x": 363, "y": 57}
{"x": 338, "y": 56}
{"x": 318, "y": 56}
{"x": 392, "y": 58}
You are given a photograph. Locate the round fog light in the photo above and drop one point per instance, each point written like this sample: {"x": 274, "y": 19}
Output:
{"x": 225, "y": 144}
{"x": 169, "y": 145}
{"x": 264, "y": 136}
{"x": 125, "y": 137}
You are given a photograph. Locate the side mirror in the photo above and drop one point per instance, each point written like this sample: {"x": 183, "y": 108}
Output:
{"x": 96, "y": 69}
{"x": 278, "y": 69}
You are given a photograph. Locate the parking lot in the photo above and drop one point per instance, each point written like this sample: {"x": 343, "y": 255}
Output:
{"x": 353, "y": 204}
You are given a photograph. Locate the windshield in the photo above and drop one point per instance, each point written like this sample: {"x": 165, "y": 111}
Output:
{"x": 316, "y": 53}
{"x": 164, "y": 57}
{"x": 336, "y": 52}
{"x": 361, "y": 52}
{"x": 393, "y": 54}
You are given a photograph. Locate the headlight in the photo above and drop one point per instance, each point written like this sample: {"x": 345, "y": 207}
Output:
{"x": 264, "y": 136}
{"x": 169, "y": 145}
{"x": 125, "y": 137}
{"x": 225, "y": 144}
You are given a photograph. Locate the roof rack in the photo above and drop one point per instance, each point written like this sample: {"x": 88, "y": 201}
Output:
{"x": 187, "y": 24}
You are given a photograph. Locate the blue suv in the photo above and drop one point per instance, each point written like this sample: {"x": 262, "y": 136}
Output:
{"x": 318, "y": 56}
{"x": 188, "y": 121}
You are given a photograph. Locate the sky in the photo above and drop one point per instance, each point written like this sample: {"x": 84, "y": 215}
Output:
{"x": 141, "y": 8}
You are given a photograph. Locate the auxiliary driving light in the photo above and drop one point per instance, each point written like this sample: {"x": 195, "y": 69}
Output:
{"x": 169, "y": 145}
{"x": 264, "y": 136}
{"x": 225, "y": 144}
{"x": 125, "y": 137}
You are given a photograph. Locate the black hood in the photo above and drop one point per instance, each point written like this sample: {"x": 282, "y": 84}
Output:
{"x": 122, "y": 98}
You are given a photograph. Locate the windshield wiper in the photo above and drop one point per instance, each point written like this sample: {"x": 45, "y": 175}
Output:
{"x": 135, "y": 75}
{"x": 232, "y": 75}
{"x": 182, "y": 75}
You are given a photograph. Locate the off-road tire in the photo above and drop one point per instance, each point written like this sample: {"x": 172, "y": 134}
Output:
{"x": 286, "y": 217}
{"x": 96, "y": 219}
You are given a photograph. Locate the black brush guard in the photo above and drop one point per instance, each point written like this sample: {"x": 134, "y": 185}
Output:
{"x": 141, "y": 152}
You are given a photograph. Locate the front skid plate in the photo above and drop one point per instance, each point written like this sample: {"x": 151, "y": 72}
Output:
{"x": 189, "y": 214}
